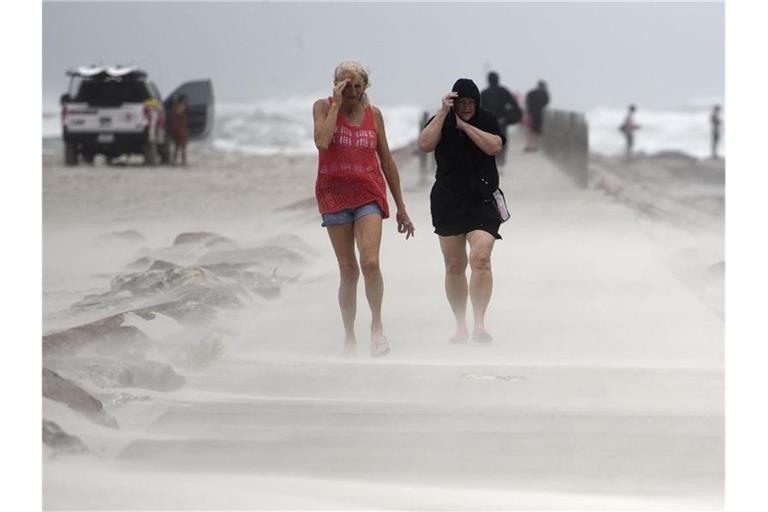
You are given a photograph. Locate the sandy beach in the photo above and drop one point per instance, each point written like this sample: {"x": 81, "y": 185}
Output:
{"x": 196, "y": 307}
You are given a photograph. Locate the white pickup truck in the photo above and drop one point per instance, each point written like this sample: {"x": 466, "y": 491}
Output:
{"x": 116, "y": 110}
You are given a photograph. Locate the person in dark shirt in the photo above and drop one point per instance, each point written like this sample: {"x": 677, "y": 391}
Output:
{"x": 501, "y": 103}
{"x": 628, "y": 127}
{"x": 716, "y": 123}
{"x": 535, "y": 101}
{"x": 466, "y": 140}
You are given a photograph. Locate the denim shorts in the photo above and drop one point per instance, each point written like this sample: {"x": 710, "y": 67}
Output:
{"x": 349, "y": 215}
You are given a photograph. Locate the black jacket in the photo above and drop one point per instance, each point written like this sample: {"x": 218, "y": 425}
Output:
{"x": 536, "y": 100}
{"x": 501, "y": 103}
{"x": 462, "y": 167}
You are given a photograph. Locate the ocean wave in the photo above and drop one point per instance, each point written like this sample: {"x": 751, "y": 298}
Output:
{"x": 685, "y": 129}
{"x": 274, "y": 126}
{"x": 284, "y": 126}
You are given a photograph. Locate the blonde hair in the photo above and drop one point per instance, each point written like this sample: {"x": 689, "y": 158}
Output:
{"x": 357, "y": 69}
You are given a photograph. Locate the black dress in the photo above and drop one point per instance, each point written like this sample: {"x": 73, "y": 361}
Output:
{"x": 461, "y": 198}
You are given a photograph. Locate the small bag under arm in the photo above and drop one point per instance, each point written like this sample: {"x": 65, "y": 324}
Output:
{"x": 501, "y": 205}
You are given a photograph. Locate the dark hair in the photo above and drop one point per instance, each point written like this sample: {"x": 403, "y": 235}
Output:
{"x": 493, "y": 78}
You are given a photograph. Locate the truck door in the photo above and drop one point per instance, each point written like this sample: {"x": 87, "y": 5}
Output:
{"x": 200, "y": 107}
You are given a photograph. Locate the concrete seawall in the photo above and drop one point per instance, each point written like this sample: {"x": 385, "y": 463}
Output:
{"x": 565, "y": 140}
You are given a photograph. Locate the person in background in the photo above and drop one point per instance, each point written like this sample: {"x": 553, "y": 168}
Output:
{"x": 628, "y": 128}
{"x": 466, "y": 139}
{"x": 501, "y": 103}
{"x": 179, "y": 130}
{"x": 535, "y": 101}
{"x": 354, "y": 161}
{"x": 716, "y": 122}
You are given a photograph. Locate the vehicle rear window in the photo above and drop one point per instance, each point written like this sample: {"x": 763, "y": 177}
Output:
{"x": 197, "y": 93}
{"x": 105, "y": 93}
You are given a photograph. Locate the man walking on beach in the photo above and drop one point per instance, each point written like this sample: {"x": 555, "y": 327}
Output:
{"x": 535, "y": 101}
{"x": 501, "y": 103}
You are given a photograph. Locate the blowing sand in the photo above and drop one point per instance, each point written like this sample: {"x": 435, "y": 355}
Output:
{"x": 603, "y": 387}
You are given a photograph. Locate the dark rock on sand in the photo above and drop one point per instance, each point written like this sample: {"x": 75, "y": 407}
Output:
{"x": 266, "y": 255}
{"x": 55, "y": 437}
{"x": 161, "y": 276}
{"x": 291, "y": 241}
{"x": 187, "y": 311}
{"x": 140, "y": 264}
{"x": 111, "y": 372}
{"x": 62, "y": 390}
{"x": 154, "y": 375}
{"x": 260, "y": 284}
{"x": 108, "y": 332}
{"x": 167, "y": 284}
{"x": 161, "y": 265}
{"x": 208, "y": 239}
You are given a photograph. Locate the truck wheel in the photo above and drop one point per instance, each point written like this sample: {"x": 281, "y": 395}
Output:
{"x": 70, "y": 154}
{"x": 150, "y": 153}
{"x": 88, "y": 158}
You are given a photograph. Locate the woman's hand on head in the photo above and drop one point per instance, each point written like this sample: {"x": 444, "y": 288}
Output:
{"x": 338, "y": 89}
{"x": 448, "y": 101}
{"x": 404, "y": 224}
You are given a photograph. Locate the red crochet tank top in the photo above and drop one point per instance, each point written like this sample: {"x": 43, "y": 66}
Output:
{"x": 348, "y": 172}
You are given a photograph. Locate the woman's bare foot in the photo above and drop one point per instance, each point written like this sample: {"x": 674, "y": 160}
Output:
{"x": 379, "y": 345}
{"x": 350, "y": 350}
{"x": 460, "y": 336}
{"x": 481, "y": 336}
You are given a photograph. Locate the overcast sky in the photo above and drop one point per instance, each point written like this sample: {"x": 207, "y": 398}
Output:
{"x": 592, "y": 54}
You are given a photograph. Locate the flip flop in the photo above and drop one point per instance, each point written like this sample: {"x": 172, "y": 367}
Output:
{"x": 379, "y": 346}
{"x": 482, "y": 337}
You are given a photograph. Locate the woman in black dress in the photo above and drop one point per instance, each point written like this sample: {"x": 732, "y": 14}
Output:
{"x": 465, "y": 139}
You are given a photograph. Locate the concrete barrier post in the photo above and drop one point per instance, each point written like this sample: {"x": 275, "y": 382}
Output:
{"x": 565, "y": 140}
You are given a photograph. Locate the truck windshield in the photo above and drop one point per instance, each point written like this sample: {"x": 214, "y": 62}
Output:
{"x": 105, "y": 93}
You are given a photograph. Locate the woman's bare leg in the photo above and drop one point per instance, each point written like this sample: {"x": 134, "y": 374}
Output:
{"x": 481, "y": 281}
{"x": 455, "y": 258}
{"x": 368, "y": 237}
{"x": 343, "y": 240}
